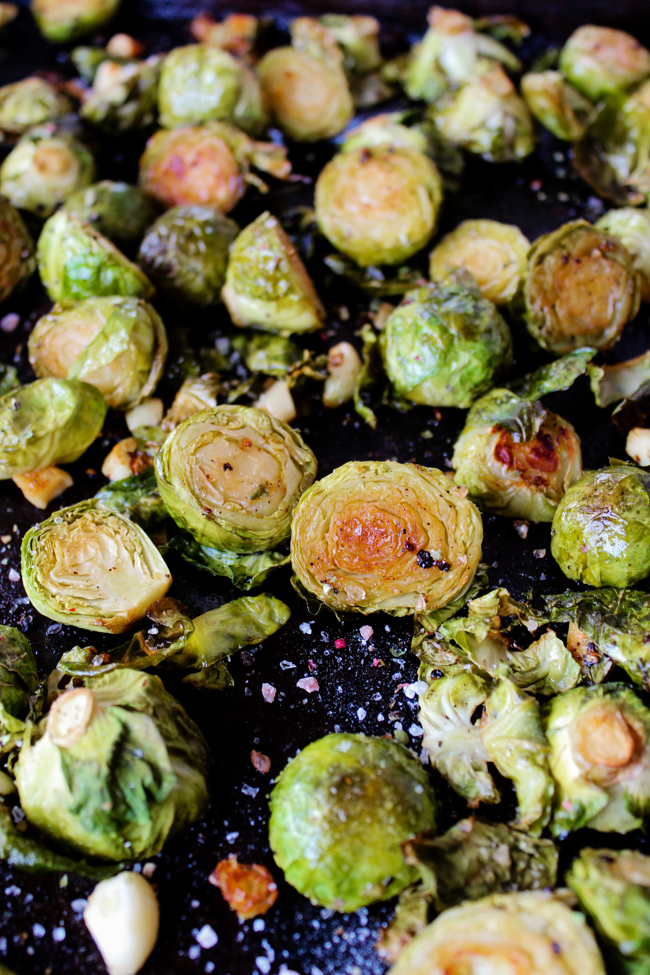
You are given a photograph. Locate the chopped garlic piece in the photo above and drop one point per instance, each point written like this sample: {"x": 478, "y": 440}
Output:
{"x": 124, "y": 46}
{"x": 41, "y": 487}
{"x": 343, "y": 369}
{"x": 147, "y": 414}
{"x": 117, "y": 464}
{"x": 638, "y": 446}
{"x": 123, "y": 917}
{"x": 278, "y": 401}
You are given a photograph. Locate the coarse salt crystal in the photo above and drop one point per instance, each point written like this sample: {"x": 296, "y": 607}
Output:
{"x": 250, "y": 790}
{"x": 268, "y": 693}
{"x": 148, "y": 870}
{"x": 308, "y": 684}
{"x": 38, "y": 931}
{"x": 287, "y": 665}
{"x": 305, "y": 628}
{"x": 416, "y": 731}
{"x": 206, "y": 937}
{"x": 231, "y": 837}
{"x": 366, "y": 632}
{"x": 58, "y": 934}
{"x": 263, "y": 964}
{"x": 258, "y": 924}
{"x": 79, "y": 905}
{"x": 194, "y": 952}
{"x": 10, "y": 322}
{"x": 361, "y": 714}
{"x": 13, "y": 575}
{"x": 417, "y": 687}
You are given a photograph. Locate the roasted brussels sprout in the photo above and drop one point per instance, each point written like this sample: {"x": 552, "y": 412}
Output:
{"x": 358, "y": 37}
{"x": 533, "y": 931}
{"x": 267, "y": 285}
{"x": 115, "y": 769}
{"x": 17, "y": 262}
{"x": 599, "y": 759}
{"x": 580, "y": 290}
{"x": 444, "y": 344}
{"x": 44, "y": 169}
{"x": 185, "y": 253}
{"x": 557, "y": 105}
{"x": 340, "y": 811}
{"x": 601, "y": 61}
{"x": 90, "y": 567}
{"x": 632, "y": 228}
{"x": 30, "y": 102}
{"x": 378, "y": 205}
{"x": 198, "y": 83}
{"x": 232, "y": 477}
{"x": 61, "y": 21}
{"x": 385, "y": 536}
{"x": 50, "y": 421}
{"x": 119, "y": 211}
{"x": 494, "y": 253}
{"x": 129, "y": 102}
{"x": 77, "y": 262}
{"x": 118, "y": 345}
{"x": 18, "y": 678}
{"x": 600, "y": 529}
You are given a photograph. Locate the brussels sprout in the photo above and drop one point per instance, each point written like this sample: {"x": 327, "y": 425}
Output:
{"x": 580, "y": 290}
{"x": 444, "y": 344}
{"x": 44, "y": 169}
{"x": 340, "y": 811}
{"x": 50, "y": 421}
{"x": 137, "y": 498}
{"x": 533, "y": 931}
{"x": 115, "y": 769}
{"x": 378, "y": 205}
{"x": 494, "y": 253}
{"x": 358, "y": 37}
{"x": 77, "y": 262}
{"x": 198, "y": 83}
{"x": 267, "y": 284}
{"x": 270, "y": 354}
{"x": 30, "y": 102}
{"x": 130, "y": 102}
{"x": 232, "y": 476}
{"x": 118, "y": 211}
{"x": 185, "y": 253}
{"x": 487, "y": 117}
{"x": 559, "y": 107}
{"x": 245, "y": 571}
{"x": 600, "y": 529}
{"x": 601, "y": 61}
{"x": 60, "y": 21}
{"x": 386, "y": 129}
{"x": 599, "y": 759}
{"x": 385, "y": 536}
{"x": 632, "y": 228}
{"x": 17, "y": 261}
{"x": 90, "y": 567}
{"x": 118, "y": 345}
{"x": 18, "y": 676}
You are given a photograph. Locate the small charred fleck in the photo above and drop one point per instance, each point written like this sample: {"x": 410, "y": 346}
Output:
{"x": 426, "y": 561}
{"x": 227, "y": 467}
{"x": 410, "y": 547}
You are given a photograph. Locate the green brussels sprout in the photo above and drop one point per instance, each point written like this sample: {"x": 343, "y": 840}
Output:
{"x": 232, "y": 476}
{"x": 494, "y": 253}
{"x": 531, "y": 931}
{"x": 50, "y": 421}
{"x": 601, "y": 61}
{"x": 270, "y": 354}
{"x": 89, "y": 566}
{"x": 267, "y": 285}
{"x": 600, "y": 528}
{"x": 185, "y": 253}
{"x": 444, "y": 344}
{"x": 599, "y": 759}
{"x": 117, "y": 344}
{"x": 385, "y": 536}
{"x": 18, "y": 677}
{"x": 486, "y": 117}
{"x": 44, "y": 169}
{"x": 60, "y": 21}
{"x": 580, "y": 290}
{"x": 130, "y": 102}
{"x": 17, "y": 262}
{"x": 358, "y": 37}
{"x": 386, "y": 129}
{"x": 115, "y": 768}
{"x": 118, "y": 211}
{"x": 137, "y": 498}
{"x": 378, "y": 205}
{"x": 340, "y": 811}
{"x": 77, "y": 262}
{"x": 30, "y": 102}
{"x": 613, "y": 887}
{"x": 560, "y": 108}
{"x": 632, "y": 228}
{"x": 198, "y": 83}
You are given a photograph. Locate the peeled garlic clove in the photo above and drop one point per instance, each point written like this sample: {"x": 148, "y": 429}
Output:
{"x": 123, "y": 916}
{"x": 278, "y": 401}
{"x": 343, "y": 369}
{"x": 638, "y": 446}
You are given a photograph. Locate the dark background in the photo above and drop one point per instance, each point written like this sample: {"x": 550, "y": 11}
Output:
{"x": 538, "y": 195}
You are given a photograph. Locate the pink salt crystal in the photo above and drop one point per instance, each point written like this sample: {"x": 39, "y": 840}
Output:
{"x": 366, "y": 632}
{"x": 308, "y": 684}
{"x": 268, "y": 693}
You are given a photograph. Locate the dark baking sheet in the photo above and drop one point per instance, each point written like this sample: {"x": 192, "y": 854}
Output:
{"x": 358, "y": 686}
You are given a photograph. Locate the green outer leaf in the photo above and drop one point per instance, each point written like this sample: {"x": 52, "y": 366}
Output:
{"x": 555, "y": 376}
{"x": 371, "y": 366}
{"x": 245, "y": 571}
{"x": 8, "y": 378}
{"x": 609, "y": 384}
{"x": 18, "y": 674}
{"x": 119, "y": 211}
{"x": 136, "y": 498}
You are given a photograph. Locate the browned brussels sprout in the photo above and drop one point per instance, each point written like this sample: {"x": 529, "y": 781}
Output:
{"x": 17, "y": 261}
{"x": 30, "y": 102}
{"x": 601, "y": 61}
{"x": 554, "y": 103}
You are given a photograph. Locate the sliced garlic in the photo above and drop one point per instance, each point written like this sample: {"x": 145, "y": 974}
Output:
{"x": 638, "y": 446}
{"x": 343, "y": 369}
{"x": 147, "y": 414}
{"x": 278, "y": 401}
{"x": 41, "y": 487}
{"x": 69, "y": 717}
{"x": 117, "y": 464}
{"x": 123, "y": 917}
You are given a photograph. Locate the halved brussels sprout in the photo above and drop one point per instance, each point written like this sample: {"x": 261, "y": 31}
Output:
{"x": 18, "y": 677}
{"x": 232, "y": 477}
{"x": 30, "y": 102}
{"x": 378, "y": 205}
{"x": 445, "y": 343}
{"x": 494, "y": 253}
{"x": 385, "y": 536}
{"x": 632, "y": 228}
{"x": 44, "y": 169}
{"x": 50, "y": 421}
{"x": 60, "y": 21}
{"x": 601, "y": 528}
{"x": 600, "y": 759}
{"x": 119, "y": 211}
{"x": 185, "y": 253}
{"x": 198, "y": 83}
{"x": 118, "y": 345}
{"x": 516, "y": 457}
{"x": 90, "y": 567}
{"x": 267, "y": 285}
{"x": 601, "y": 61}
{"x": 532, "y": 932}
{"x": 17, "y": 261}
{"x": 340, "y": 811}
{"x": 559, "y": 107}
{"x": 129, "y": 102}
{"x": 76, "y": 262}
{"x": 115, "y": 768}
{"x": 580, "y": 290}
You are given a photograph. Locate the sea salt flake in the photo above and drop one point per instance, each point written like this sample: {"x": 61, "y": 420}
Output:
{"x": 308, "y": 684}
{"x": 10, "y": 322}
{"x": 231, "y": 837}
{"x": 268, "y": 693}
{"x": 305, "y": 628}
{"x": 361, "y": 714}
{"x": 79, "y": 905}
{"x": 13, "y": 575}
{"x": 194, "y": 952}
{"x": 38, "y": 931}
{"x": 249, "y": 790}
{"x": 207, "y": 936}
{"x": 263, "y": 964}
{"x": 366, "y": 632}
{"x": 416, "y": 731}
{"x": 58, "y": 934}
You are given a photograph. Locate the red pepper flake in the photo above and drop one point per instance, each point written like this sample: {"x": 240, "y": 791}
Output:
{"x": 378, "y": 662}
{"x": 311, "y": 665}
{"x": 247, "y": 888}
{"x": 246, "y": 442}
{"x": 340, "y": 644}
{"x": 262, "y": 763}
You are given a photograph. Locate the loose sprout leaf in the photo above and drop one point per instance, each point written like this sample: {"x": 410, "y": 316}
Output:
{"x": 18, "y": 676}
{"x": 558, "y": 375}
{"x": 370, "y": 368}
{"x": 245, "y": 571}
{"x": 373, "y": 280}
{"x": 136, "y": 498}
{"x": 411, "y": 916}
{"x": 8, "y": 378}
{"x": 621, "y": 381}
